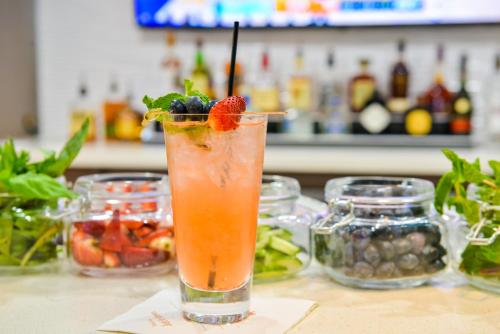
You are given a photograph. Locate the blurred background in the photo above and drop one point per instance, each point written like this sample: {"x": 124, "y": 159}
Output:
{"x": 371, "y": 87}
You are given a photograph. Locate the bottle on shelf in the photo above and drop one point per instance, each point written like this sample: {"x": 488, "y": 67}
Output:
{"x": 332, "y": 115}
{"x": 374, "y": 118}
{"x": 439, "y": 99}
{"x": 128, "y": 121}
{"x": 113, "y": 104}
{"x": 398, "y": 102}
{"x": 418, "y": 119}
{"x": 299, "y": 98}
{"x": 265, "y": 93}
{"x": 172, "y": 66}
{"x": 493, "y": 100}
{"x": 462, "y": 107}
{"x": 201, "y": 75}
{"x": 361, "y": 87}
{"x": 81, "y": 109}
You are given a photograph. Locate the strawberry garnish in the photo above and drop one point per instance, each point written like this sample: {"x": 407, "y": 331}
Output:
{"x": 225, "y": 114}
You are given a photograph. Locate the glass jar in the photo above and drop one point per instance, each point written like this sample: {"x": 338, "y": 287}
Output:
{"x": 123, "y": 225}
{"x": 30, "y": 235}
{"x": 283, "y": 235}
{"x": 381, "y": 233}
{"x": 475, "y": 248}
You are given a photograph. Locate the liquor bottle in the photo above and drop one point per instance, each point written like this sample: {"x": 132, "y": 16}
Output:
{"x": 398, "y": 102}
{"x": 418, "y": 119}
{"x": 200, "y": 75}
{"x": 374, "y": 118}
{"x": 172, "y": 66}
{"x": 82, "y": 108}
{"x": 438, "y": 98}
{"x": 128, "y": 121}
{"x": 299, "y": 98}
{"x": 332, "y": 116}
{"x": 462, "y": 107}
{"x": 265, "y": 94}
{"x": 493, "y": 100}
{"x": 114, "y": 102}
{"x": 361, "y": 89}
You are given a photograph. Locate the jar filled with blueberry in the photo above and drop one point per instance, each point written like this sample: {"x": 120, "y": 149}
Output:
{"x": 381, "y": 233}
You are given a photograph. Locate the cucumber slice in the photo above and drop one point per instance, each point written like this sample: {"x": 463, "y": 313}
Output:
{"x": 290, "y": 263}
{"x": 281, "y": 233}
{"x": 283, "y": 246}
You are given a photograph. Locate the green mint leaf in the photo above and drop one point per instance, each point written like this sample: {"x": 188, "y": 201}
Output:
{"x": 443, "y": 188}
{"x": 471, "y": 211}
{"x": 457, "y": 163}
{"x": 148, "y": 101}
{"x": 495, "y": 167}
{"x": 164, "y": 102}
{"x": 57, "y": 167}
{"x": 189, "y": 91}
{"x": 9, "y": 157}
{"x": 38, "y": 186}
{"x": 205, "y": 99}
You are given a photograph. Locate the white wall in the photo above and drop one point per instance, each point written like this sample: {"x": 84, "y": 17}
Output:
{"x": 98, "y": 37}
{"x": 17, "y": 66}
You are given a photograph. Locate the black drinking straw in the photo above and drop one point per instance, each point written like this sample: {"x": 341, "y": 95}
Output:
{"x": 233, "y": 58}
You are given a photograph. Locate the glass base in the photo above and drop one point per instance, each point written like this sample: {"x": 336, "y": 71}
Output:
{"x": 215, "y": 307}
{"x": 381, "y": 284}
{"x": 490, "y": 284}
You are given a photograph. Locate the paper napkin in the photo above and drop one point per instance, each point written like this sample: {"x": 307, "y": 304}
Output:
{"x": 161, "y": 314}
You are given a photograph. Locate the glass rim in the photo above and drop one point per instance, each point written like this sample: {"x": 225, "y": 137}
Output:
{"x": 425, "y": 191}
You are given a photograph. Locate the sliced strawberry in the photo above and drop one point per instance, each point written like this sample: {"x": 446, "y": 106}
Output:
{"x": 85, "y": 250}
{"x": 132, "y": 224}
{"x": 111, "y": 260}
{"x": 143, "y": 231}
{"x": 137, "y": 256}
{"x": 165, "y": 244}
{"x": 161, "y": 232}
{"x": 112, "y": 238}
{"x": 93, "y": 227}
{"x": 225, "y": 114}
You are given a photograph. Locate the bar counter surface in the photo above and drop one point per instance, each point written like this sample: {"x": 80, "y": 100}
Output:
{"x": 63, "y": 303}
{"x": 282, "y": 159}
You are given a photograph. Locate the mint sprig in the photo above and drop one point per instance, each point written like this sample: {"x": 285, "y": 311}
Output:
{"x": 159, "y": 108}
{"x": 451, "y": 191}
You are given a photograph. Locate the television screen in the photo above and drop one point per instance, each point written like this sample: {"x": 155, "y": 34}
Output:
{"x": 313, "y": 13}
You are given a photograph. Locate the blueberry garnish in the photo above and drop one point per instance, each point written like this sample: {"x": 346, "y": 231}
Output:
{"x": 177, "y": 107}
{"x": 208, "y": 106}
{"x": 194, "y": 105}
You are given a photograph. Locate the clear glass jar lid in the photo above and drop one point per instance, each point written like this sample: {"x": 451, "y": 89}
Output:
{"x": 379, "y": 190}
{"x": 278, "y": 194}
{"x": 122, "y": 186}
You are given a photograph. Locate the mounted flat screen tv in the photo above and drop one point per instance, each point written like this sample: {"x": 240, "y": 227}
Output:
{"x": 313, "y": 13}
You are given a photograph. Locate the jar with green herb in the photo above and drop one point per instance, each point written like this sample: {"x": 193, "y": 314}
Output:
{"x": 32, "y": 196}
{"x": 469, "y": 200}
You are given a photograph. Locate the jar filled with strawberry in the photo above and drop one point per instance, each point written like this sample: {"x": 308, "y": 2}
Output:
{"x": 122, "y": 225}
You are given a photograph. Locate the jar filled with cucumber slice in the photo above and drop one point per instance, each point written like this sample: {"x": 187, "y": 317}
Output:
{"x": 283, "y": 246}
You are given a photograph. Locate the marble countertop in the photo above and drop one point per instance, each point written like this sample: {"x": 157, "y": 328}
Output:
{"x": 63, "y": 303}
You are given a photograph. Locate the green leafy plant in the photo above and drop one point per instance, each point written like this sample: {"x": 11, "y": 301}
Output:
{"x": 26, "y": 190}
{"x": 451, "y": 191}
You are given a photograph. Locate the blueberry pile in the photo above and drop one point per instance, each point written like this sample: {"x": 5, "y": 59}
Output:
{"x": 193, "y": 106}
{"x": 389, "y": 252}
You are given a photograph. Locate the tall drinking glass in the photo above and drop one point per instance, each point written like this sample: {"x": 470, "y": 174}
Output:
{"x": 215, "y": 180}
